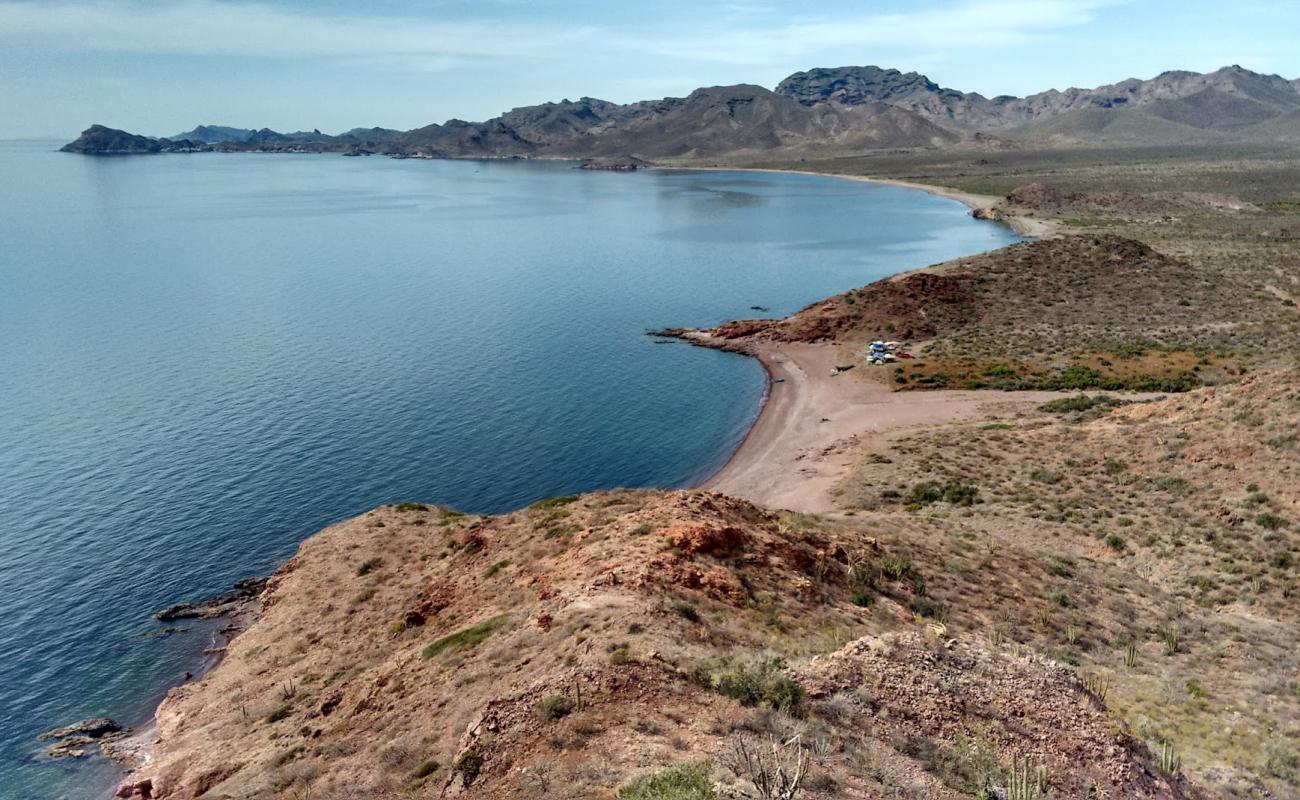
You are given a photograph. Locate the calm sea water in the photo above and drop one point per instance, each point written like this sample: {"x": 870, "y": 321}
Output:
{"x": 205, "y": 358}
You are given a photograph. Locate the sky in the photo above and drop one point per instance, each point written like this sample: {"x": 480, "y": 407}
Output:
{"x": 163, "y": 66}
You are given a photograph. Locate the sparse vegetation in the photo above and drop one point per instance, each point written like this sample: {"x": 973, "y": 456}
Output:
{"x": 555, "y": 707}
{"x": 762, "y": 682}
{"x": 685, "y": 782}
{"x": 555, "y": 502}
{"x": 686, "y": 611}
{"x": 466, "y": 639}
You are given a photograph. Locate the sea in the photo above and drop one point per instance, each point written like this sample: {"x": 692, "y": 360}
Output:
{"x": 205, "y": 358}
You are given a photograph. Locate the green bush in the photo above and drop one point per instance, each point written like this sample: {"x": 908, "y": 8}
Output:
{"x": 685, "y": 782}
{"x": 1080, "y": 402}
{"x": 762, "y": 682}
{"x": 469, "y": 765}
{"x": 467, "y": 638}
{"x": 686, "y": 611}
{"x": 1044, "y": 475}
{"x": 555, "y": 707}
{"x": 1271, "y": 522}
{"x": 959, "y": 494}
{"x": 555, "y": 502}
{"x": 895, "y": 567}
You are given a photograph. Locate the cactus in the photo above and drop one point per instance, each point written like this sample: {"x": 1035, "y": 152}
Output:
{"x": 1170, "y": 761}
{"x": 1131, "y": 655}
{"x": 1099, "y": 685}
{"x": 1172, "y": 638}
{"x": 1024, "y": 784}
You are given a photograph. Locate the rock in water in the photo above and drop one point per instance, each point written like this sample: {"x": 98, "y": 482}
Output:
{"x": 80, "y": 739}
{"x": 244, "y": 591}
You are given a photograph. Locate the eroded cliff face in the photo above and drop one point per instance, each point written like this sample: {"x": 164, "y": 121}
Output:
{"x": 568, "y": 649}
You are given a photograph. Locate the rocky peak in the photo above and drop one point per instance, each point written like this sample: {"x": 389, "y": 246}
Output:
{"x": 858, "y": 85}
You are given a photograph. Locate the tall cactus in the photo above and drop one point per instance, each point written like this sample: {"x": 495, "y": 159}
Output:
{"x": 1024, "y": 784}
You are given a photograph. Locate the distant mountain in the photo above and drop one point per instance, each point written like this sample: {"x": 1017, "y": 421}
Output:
{"x": 819, "y": 112}
{"x": 1232, "y": 97}
{"x": 101, "y": 140}
{"x": 212, "y": 134}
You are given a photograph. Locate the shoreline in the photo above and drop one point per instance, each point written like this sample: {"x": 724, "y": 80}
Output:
{"x": 814, "y": 421}
{"x": 774, "y": 426}
{"x": 134, "y": 752}
{"x": 771, "y": 444}
{"x": 1028, "y": 227}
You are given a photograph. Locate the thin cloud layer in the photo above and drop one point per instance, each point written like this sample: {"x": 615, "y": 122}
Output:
{"x": 204, "y": 27}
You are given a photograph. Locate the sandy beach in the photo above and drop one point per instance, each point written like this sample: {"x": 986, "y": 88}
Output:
{"x": 1031, "y": 227}
{"x": 814, "y": 421}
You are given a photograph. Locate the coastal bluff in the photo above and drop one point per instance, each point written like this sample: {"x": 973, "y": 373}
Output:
{"x": 592, "y": 643}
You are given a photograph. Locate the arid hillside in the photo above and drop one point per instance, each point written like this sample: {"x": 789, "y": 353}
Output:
{"x": 622, "y": 644}
{"x": 1155, "y": 546}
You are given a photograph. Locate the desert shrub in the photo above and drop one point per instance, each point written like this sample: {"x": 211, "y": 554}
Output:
{"x": 1271, "y": 522}
{"x": 1283, "y": 763}
{"x": 1044, "y": 475}
{"x": 1082, "y": 402}
{"x": 495, "y": 568}
{"x": 761, "y": 682}
{"x": 619, "y": 654}
{"x": 959, "y": 494}
{"x": 281, "y": 712}
{"x": 426, "y": 769}
{"x": 466, "y": 638}
{"x": 411, "y": 507}
{"x": 894, "y": 566}
{"x": 469, "y": 765}
{"x": 686, "y": 611}
{"x": 555, "y": 502}
{"x": 685, "y": 782}
{"x": 369, "y": 565}
{"x": 972, "y": 766}
{"x": 555, "y": 707}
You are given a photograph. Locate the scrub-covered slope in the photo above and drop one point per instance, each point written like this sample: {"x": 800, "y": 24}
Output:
{"x": 596, "y": 646}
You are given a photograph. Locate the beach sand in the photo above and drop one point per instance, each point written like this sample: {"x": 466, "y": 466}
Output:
{"x": 814, "y": 423}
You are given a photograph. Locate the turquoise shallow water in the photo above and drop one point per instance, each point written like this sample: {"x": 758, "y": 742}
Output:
{"x": 205, "y": 358}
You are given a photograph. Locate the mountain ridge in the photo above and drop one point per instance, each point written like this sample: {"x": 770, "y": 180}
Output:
{"x": 821, "y": 111}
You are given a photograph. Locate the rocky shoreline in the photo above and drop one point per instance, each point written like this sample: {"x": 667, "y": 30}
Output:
{"x": 130, "y": 748}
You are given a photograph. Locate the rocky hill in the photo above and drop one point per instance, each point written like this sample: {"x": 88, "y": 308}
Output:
{"x": 100, "y": 140}
{"x": 1230, "y": 98}
{"x": 828, "y": 112}
{"x": 612, "y": 643}
{"x": 1154, "y": 545}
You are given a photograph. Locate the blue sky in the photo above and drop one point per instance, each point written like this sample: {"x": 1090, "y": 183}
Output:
{"x": 162, "y": 66}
